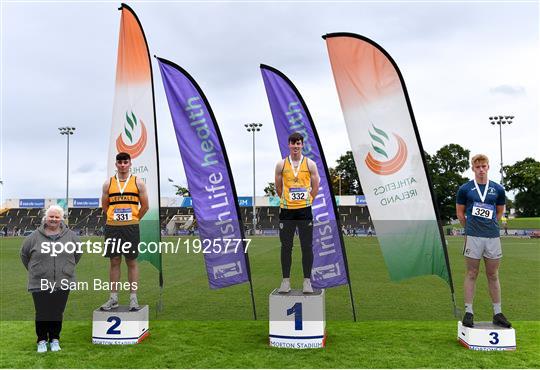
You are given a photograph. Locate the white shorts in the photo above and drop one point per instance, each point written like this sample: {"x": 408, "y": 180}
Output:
{"x": 477, "y": 247}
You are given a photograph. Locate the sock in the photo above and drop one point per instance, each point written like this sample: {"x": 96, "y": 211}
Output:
{"x": 286, "y": 279}
{"x": 132, "y": 295}
{"x": 307, "y": 279}
{"x": 496, "y": 308}
{"x": 114, "y": 295}
{"x": 468, "y": 308}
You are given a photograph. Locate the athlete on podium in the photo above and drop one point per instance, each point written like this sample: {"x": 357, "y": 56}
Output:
{"x": 297, "y": 184}
{"x": 121, "y": 198}
{"x": 479, "y": 207}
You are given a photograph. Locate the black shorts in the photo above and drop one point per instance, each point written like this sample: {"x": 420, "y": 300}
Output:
{"x": 118, "y": 237}
{"x": 299, "y": 214}
{"x": 292, "y": 219}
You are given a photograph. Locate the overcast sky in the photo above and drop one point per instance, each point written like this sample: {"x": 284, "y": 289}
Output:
{"x": 461, "y": 62}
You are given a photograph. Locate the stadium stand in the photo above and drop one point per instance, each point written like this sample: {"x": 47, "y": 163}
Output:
{"x": 268, "y": 218}
{"x": 17, "y": 221}
{"x": 355, "y": 220}
{"x": 90, "y": 221}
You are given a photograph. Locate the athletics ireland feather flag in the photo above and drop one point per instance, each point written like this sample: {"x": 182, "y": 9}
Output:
{"x": 133, "y": 127}
{"x": 209, "y": 178}
{"x": 389, "y": 157}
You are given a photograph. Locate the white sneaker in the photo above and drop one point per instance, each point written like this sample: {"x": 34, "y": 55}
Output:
{"x": 308, "y": 289}
{"x": 42, "y": 346}
{"x": 110, "y": 304}
{"x": 133, "y": 304}
{"x": 55, "y": 345}
{"x": 285, "y": 286}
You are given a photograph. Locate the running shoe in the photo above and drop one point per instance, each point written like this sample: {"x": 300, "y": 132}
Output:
{"x": 133, "y": 304}
{"x": 110, "y": 304}
{"x": 55, "y": 345}
{"x": 308, "y": 289}
{"x": 285, "y": 286}
{"x": 500, "y": 320}
{"x": 42, "y": 346}
{"x": 468, "y": 320}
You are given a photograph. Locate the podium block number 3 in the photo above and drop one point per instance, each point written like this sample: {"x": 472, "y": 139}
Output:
{"x": 112, "y": 329}
{"x": 297, "y": 310}
{"x": 495, "y": 337}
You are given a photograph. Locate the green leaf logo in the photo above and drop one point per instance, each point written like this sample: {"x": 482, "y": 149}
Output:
{"x": 130, "y": 126}
{"x": 377, "y": 139}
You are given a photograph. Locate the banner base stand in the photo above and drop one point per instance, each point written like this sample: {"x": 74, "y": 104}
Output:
{"x": 487, "y": 337}
{"x": 120, "y": 326}
{"x": 297, "y": 320}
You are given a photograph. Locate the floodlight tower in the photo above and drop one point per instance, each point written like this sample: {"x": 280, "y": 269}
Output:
{"x": 253, "y": 127}
{"x": 501, "y": 120}
{"x": 68, "y": 131}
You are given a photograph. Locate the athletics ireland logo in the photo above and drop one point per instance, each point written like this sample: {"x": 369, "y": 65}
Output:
{"x": 134, "y": 148}
{"x": 379, "y": 143}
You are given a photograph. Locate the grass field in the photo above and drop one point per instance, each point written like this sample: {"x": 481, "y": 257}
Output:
{"x": 407, "y": 324}
{"x": 524, "y": 223}
{"x": 520, "y": 223}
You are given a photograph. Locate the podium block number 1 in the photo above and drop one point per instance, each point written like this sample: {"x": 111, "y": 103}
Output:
{"x": 297, "y": 310}
{"x": 112, "y": 329}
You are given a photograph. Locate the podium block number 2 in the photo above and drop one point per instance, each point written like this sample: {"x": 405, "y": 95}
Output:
{"x": 297, "y": 310}
{"x": 112, "y": 329}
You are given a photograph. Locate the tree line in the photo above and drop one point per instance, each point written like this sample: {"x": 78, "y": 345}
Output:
{"x": 446, "y": 168}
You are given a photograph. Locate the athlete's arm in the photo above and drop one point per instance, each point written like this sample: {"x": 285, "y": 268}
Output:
{"x": 278, "y": 177}
{"x": 143, "y": 198}
{"x": 501, "y": 202}
{"x": 105, "y": 197}
{"x": 500, "y": 211}
{"x": 461, "y": 202}
{"x": 315, "y": 179}
{"x": 460, "y": 212}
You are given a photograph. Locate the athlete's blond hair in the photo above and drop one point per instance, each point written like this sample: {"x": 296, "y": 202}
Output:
{"x": 479, "y": 158}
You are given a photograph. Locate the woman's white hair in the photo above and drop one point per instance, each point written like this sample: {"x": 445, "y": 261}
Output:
{"x": 54, "y": 207}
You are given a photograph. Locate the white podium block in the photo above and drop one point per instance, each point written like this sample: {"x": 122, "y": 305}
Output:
{"x": 297, "y": 320}
{"x": 487, "y": 337}
{"x": 120, "y": 326}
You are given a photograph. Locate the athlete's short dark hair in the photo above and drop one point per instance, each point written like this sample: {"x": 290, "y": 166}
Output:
{"x": 122, "y": 156}
{"x": 295, "y": 136}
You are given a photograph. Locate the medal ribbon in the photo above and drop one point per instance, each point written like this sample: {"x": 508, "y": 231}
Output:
{"x": 125, "y": 184}
{"x": 482, "y": 196}
{"x": 297, "y": 169}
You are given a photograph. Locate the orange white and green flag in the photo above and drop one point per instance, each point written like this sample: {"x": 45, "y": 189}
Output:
{"x": 389, "y": 157}
{"x": 133, "y": 128}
